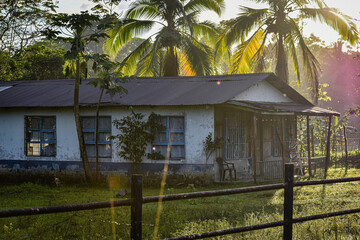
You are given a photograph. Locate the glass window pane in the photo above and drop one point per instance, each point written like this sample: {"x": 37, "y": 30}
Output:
{"x": 88, "y": 122}
{"x": 104, "y": 150}
{"x": 34, "y": 136}
{"x": 160, "y": 137}
{"x": 48, "y": 136}
{"x": 103, "y": 137}
{"x": 89, "y": 136}
{"x": 90, "y": 150}
{"x": 177, "y": 152}
{"x": 176, "y": 123}
{"x": 48, "y": 123}
{"x": 33, "y": 149}
{"x": 33, "y": 122}
{"x": 48, "y": 149}
{"x": 177, "y": 137}
{"x": 105, "y": 123}
{"x": 161, "y": 149}
{"x": 163, "y": 121}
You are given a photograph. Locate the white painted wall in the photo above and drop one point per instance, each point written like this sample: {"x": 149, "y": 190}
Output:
{"x": 199, "y": 121}
{"x": 262, "y": 92}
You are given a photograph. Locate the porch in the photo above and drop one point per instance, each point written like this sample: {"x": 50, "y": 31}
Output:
{"x": 258, "y": 138}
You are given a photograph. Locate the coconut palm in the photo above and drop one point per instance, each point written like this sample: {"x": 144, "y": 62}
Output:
{"x": 174, "y": 46}
{"x": 279, "y": 24}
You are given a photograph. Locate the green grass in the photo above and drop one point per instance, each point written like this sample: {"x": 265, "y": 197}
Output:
{"x": 185, "y": 216}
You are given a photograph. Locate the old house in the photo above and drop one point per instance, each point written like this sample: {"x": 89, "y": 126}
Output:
{"x": 253, "y": 114}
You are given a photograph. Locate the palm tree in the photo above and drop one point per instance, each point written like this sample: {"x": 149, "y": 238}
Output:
{"x": 279, "y": 25}
{"x": 174, "y": 47}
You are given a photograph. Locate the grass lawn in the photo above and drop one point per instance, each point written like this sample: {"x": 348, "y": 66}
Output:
{"x": 182, "y": 217}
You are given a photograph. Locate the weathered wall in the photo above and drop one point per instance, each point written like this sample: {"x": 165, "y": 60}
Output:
{"x": 262, "y": 92}
{"x": 199, "y": 121}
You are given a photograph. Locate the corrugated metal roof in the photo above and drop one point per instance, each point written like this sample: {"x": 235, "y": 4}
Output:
{"x": 283, "y": 108}
{"x": 156, "y": 91}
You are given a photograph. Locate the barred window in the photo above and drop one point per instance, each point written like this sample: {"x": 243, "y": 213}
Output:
{"x": 40, "y": 136}
{"x": 89, "y": 130}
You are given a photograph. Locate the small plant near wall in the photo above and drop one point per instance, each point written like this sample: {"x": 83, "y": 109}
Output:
{"x": 135, "y": 134}
{"x": 156, "y": 156}
{"x": 210, "y": 145}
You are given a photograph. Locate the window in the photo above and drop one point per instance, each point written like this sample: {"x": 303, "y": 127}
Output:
{"x": 235, "y": 137}
{"x": 89, "y": 130}
{"x": 40, "y": 136}
{"x": 172, "y": 136}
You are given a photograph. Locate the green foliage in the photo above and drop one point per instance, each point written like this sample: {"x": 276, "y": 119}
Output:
{"x": 109, "y": 77}
{"x": 175, "y": 47}
{"x": 279, "y": 21}
{"x": 41, "y": 62}
{"x": 210, "y": 145}
{"x": 21, "y": 23}
{"x": 135, "y": 134}
{"x": 185, "y": 217}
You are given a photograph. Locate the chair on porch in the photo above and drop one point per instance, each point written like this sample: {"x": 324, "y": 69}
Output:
{"x": 296, "y": 160}
{"x": 226, "y": 167}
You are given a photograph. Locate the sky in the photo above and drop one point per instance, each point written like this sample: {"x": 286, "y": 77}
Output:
{"x": 348, "y": 7}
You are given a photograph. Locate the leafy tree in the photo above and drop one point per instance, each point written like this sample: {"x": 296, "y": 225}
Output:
{"x": 108, "y": 79}
{"x": 76, "y": 26}
{"x": 175, "y": 46}
{"x": 135, "y": 134}
{"x": 21, "y": 22}
{"x": 10, "y": 68}
{"x": 41, "y": 62}
{"x": 279, "y": 22}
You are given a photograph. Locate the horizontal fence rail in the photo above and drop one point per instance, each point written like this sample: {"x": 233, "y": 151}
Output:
{"x": 137, "y": 200}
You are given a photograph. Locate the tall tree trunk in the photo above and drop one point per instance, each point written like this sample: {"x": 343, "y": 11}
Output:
{"x": 282, "y": 64}
{"x": 84, "y": 157}
{"x": 171, "y": 66}
{"x": 97, "y": 134}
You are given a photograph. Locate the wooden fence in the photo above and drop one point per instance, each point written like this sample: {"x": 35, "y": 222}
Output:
{"x": 137, "y": 201}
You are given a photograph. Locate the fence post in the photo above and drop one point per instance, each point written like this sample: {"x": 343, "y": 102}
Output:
{"x": 136, "y": 207}
{"x": 288, "y": 201}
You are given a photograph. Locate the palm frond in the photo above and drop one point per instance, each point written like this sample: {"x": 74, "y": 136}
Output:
{"x": 244, "y": 56}
{"x": 216, "y": 6}
{"x": 238, "y": 29}
{"x": 198, "y": 56}
{"x": 131, "y": 61}
{"x": 333, "y": 18}
{"x": 143, "y": 10}
{"x": 292, "y": 51}
{"x": 124, "y": 32}
{"x": 207, "y": 30}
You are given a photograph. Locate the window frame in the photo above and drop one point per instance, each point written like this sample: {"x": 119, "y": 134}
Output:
{"x": 41, "y": 131}
{"x": 168, "y": 131}
{"x": 93, "y": 130}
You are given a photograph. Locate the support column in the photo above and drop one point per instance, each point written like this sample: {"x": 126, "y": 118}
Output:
{"x": 308, "y": 143}
{"x": 254, "y": 146}
{"x": 327, "y": 160}
{"x": 283, "y": 144}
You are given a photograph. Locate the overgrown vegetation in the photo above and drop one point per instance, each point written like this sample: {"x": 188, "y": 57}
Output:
{"x": 207, "y": 214}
